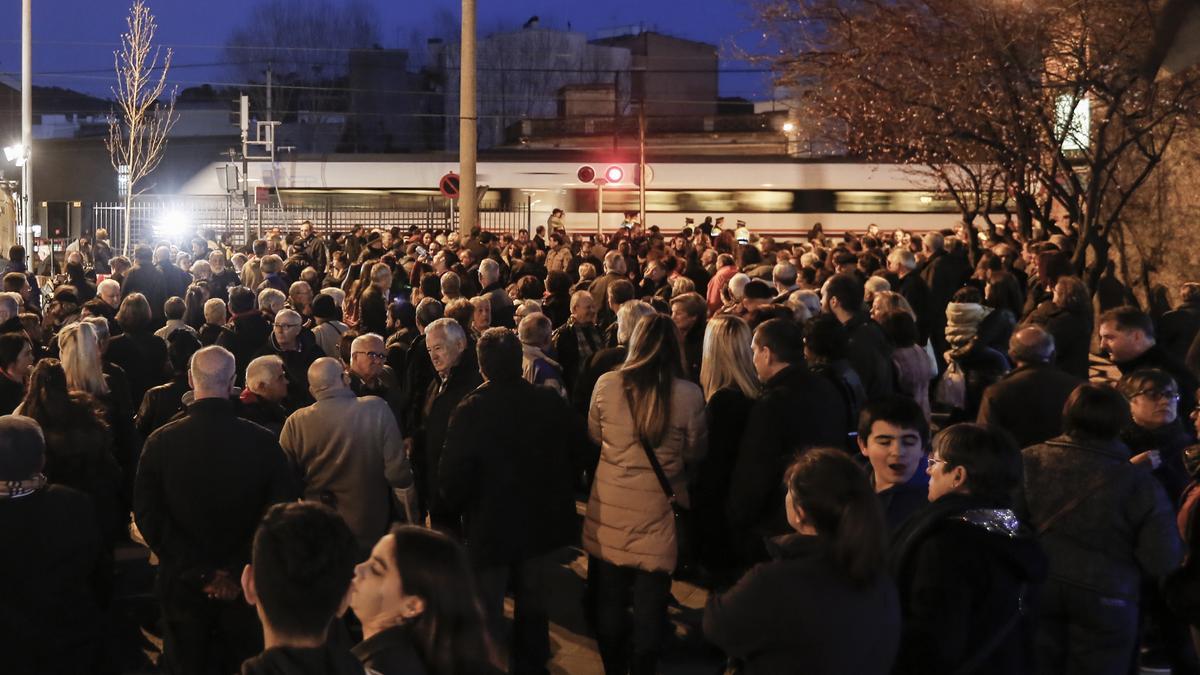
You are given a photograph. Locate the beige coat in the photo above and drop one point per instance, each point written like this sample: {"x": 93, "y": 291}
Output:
{"x": 629, "y": 520}
{"x": 349, "y": 452}
{"x": 559, "y": 259}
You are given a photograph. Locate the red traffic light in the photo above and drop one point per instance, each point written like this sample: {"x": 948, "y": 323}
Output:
{"x": 614, "y": 174}
{"x": 586, "y": 174}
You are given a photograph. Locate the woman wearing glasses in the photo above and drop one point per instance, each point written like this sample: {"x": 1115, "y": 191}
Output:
{"x": 1157, "y": 436}
{"x": 966, "y": 566}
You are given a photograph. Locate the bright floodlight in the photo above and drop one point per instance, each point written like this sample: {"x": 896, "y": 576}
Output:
{"x": 173, "y": 225}
{"x": 789, "y": 127}
{"x": 15, "y": 153}
{"x": 614, "y": 174}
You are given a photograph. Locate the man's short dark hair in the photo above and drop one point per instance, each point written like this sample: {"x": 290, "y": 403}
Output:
{"x": 1128, "y": 318}
{"x": 14, "y": 282}
{"x": 825, "y": 337}
{"x": 620, "y": 292}
{"x": 181, "y": 344}
{"x": 16, "y": 253}
{"x": 11, "y": 345}
{"x": 900, "y": 411}
{"x": 1095, "y": 411}
{"x": 143, "y": 254}
{"x": 431, "y": 285}
{"x": 847, "y": 289}
{"x": 499, "y": 351}
{"x": 303, "y": 557}
{"x": 990, "y": 456}
{"x": 783, "y": 337}
{"x": 241, "y": 300}
{"x": 757, "y": 289}
{"x": 174, "y": 308}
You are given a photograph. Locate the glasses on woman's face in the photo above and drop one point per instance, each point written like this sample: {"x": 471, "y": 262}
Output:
{"x": 934, "y": 461}
{"x": 1158, "y": 395}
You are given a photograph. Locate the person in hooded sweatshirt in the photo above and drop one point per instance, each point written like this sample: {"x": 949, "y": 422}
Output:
{"x": 298, "y": 581}
{"x": 966, "y": 566}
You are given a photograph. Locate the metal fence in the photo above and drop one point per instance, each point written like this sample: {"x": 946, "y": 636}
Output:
{"x": 172, "y": 220}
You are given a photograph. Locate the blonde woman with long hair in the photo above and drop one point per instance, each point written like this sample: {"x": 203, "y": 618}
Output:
{"x": 649, "y": 422}
{"x": 730, "y": 388}
{"x": 79, "y": 348}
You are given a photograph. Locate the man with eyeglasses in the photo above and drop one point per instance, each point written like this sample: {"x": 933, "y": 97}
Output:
{"x": 298, "y": 349}
{"x": 370, "y": 376}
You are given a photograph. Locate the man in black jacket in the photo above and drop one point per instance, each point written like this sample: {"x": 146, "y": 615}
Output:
{"x": 53, "y": 581}
{"x": 203, "y": 483}
{"x": 1028, "y": 402}
{"x": 797, "y": 410}
{"x": 1178, "y": 328}
{"x": 313, "y": 248}
{"x": 944, "y": 273}
{"x": 175, "y": 280}
{"x": 248, "y": 332}
{"x": 867, "y": 349}
{"x": 1127, "y": 335}
{"x": 903, "y": 264}
{"x": 514, "y": 490}
{"x": 457, "y": 376}
{"x": 148, "y": 280}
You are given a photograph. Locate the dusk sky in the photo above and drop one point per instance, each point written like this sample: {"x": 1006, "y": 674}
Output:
{"x": 74, "y": 39}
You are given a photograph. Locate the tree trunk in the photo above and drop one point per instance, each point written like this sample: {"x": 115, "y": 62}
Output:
{"x": 127, "y": 245}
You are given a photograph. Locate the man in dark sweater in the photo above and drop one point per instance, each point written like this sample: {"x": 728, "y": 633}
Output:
{"x": 203, "y": 483}
{"x": 893, "y": 436}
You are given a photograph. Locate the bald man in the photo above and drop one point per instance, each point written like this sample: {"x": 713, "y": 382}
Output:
{"x": 371, "y": 376}
{"x": 1028, "y": 402}
{"x": 211, "y": 475}
{"x": 349, "y": 452}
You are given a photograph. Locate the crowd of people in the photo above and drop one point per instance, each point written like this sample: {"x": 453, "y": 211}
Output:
{"x": 879, "y": 452}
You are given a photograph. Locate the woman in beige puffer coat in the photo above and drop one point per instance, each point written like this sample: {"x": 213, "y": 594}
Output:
{"x": 629, "y": 530}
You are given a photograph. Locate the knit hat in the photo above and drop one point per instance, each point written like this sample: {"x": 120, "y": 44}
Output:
{"x": 22, "y": 448}
{"x": 324, "y": 307}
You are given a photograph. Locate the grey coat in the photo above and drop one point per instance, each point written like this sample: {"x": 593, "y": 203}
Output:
{"x": 350, "y": 456}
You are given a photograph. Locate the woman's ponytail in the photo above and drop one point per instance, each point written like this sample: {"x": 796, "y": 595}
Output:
{"x": 838, "y": 501}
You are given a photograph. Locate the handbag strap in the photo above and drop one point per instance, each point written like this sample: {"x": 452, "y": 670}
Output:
{"x": 658, "y": 470}
{"x": 996, "y": 638}
{"x": 1079, "y": 498}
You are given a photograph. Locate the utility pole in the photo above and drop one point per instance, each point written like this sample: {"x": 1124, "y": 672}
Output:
{"x": 642, "y": 163}
{"x": 468, "y": 207}
{"x": 27, "y": 122}
{"x": 245, "y": 123}
{"x": 269, "y": 92}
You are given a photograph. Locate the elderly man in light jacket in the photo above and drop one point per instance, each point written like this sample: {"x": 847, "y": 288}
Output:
{"x": 349, "y": 453}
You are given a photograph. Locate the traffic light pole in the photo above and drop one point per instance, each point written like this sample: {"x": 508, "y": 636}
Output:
{"x": 599, "y": 204}
{"x": 27, "y": 124}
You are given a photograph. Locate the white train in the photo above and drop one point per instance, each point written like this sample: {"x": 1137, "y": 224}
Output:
{"x": 781, "y": 198}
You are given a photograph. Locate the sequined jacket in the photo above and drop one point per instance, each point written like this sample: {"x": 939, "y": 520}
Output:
{"x": 965, "y": 569}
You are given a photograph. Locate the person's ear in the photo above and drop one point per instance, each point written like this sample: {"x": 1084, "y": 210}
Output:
{"x": 248, "y": 585}
{"x": 412, "y": 607}
{"x": 959, "y": 474}
{"x": 862, "y": 444}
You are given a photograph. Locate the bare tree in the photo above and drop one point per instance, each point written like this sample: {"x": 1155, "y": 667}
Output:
{"x": 1052, "y": 93}
{"x": 137, "y": 134}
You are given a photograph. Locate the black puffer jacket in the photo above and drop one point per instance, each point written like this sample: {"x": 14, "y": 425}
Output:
{"x": 963, "y": 567}
{"x": 1123, "y": 529}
